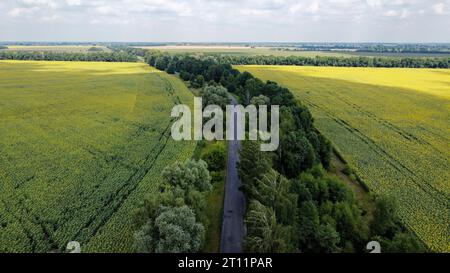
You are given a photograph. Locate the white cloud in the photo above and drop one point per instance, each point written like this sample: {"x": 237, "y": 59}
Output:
{"x": 390, "y": 13}
{"x": 18, "y": 12}
{"x": 74, "y": 2}
{"x": 229, "y": 19}
{"x": 439, "y": 8}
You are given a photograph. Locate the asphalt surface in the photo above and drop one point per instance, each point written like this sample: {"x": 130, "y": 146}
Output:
{"x": 233, "y": 228}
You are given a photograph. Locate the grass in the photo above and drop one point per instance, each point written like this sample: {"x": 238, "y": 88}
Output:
{"x": 81, "y": 145}
{"x": 391, "y": 126}
{"x": 214, "y": 213}
{"x": 59, "y": 48}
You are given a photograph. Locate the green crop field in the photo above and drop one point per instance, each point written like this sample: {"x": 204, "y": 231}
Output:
{"x": 392, "y": 126}
{"x": 80, "y": 145}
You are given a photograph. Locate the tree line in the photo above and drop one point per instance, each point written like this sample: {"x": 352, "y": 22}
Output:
{"x": 337, "y": 61}
{"x": 294, "y": 205}
{"x": 81, "y": 57}
{"x": 369, "y": 47}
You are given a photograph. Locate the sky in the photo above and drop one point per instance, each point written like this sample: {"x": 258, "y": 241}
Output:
{"x": 225, "y": 20}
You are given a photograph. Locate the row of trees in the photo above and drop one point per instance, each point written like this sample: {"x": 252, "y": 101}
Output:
{"x": 293, "y": 204}
{"x": 370, "y": 47}
{"x": 337, "y": 61}
{"x": 83, "y": 57}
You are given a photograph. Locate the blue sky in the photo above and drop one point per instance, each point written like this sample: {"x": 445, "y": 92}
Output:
{"x": 226, "y": 20}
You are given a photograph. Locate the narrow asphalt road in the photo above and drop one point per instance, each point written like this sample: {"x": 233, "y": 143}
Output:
{"x": 233, "y": 230}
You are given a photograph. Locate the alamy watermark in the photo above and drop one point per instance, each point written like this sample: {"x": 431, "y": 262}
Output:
{"x": 236, "y": 118}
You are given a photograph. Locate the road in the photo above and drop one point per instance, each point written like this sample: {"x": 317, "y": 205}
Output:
{"x": 233, "y": 228}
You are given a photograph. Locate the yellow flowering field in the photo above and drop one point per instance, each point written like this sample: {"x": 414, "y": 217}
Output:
{"x": 393, "y": 127}
{"x": 80, "y": 146}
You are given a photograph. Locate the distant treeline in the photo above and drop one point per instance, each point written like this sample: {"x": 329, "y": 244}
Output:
{"x": 370, "y": 47}
{"x": 82, "y": 57}
{"x": 337, "y": 61}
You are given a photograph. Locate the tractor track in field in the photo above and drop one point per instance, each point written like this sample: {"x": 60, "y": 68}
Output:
{"x": 139, "y": 174}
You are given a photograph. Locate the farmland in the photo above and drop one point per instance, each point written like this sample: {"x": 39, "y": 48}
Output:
{"x": 391, "y": 125}
{"x": 56, "y": 48}
{"x": 240, "y": 51}
{"x": 81, "y": 145}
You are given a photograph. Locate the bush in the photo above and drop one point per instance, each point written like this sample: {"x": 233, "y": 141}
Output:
{"x": 215, "y": 157}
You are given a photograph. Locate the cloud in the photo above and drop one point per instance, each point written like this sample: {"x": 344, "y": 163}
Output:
{"x": 229, "y": 19}
{"x": 74, "y": 2}
{"x": 20, "y": 12}
{"x": 439, "y": 8}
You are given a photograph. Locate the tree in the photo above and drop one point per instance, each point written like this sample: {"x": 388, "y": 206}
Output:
{"x": 215, "y": 95}
{"x": 264, "y": 234}
{"x": 401, "y": 243}
{"x": 215, "y": 157}
{"x": 185, "y": 76}
{"x": 197, "y": 81}
{"x": 260, "y": 100}
{"x": 171, "y": 68}
{"x": 189, "y": 175}
{"x": 253, "y": 164}
{"x": 385, "y": 222}
{"x": 328, "y": 239}
{"x": 175, "y": 230}
{"x": 273, "y": 190}
{"x": 297, "y": 154}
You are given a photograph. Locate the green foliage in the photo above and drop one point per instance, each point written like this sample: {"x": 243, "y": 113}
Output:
{"x": 185, "y": 76}
{"x": 189, "y": 175}
{"x": 265, "y": 235}
{"x": 80, "y": 57}
{"x": 215, "y": 157}
{"x": 403, "y": 242}
{"x": 260, "y": 100}
{"x": 385, "y": 221}
{"x": 197, "y": 81}
{"x": 175, "y": 220}
{"x": 253, "y": 164}
{"x": 215, "y": 95}
{"x": 174, "y": 230}
{"x": 297, "y": 154}
{"x": 337, "y": 61}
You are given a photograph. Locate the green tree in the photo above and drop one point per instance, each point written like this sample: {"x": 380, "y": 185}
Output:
{"x": 273, "y": 190}
{"x": 402, "y": 243}
{"x": 197, "y": 81}
{"x": 260, "y": 100}
{"x": 189, "y": 175}
{"x": 253, "y": 163}
{"x": 264, "y": 234}
{"x": 385, "y": 222}
{"x": 297, "y": 154}
{"x": 175, "y": 230}
{"x": 215, "y": 95}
